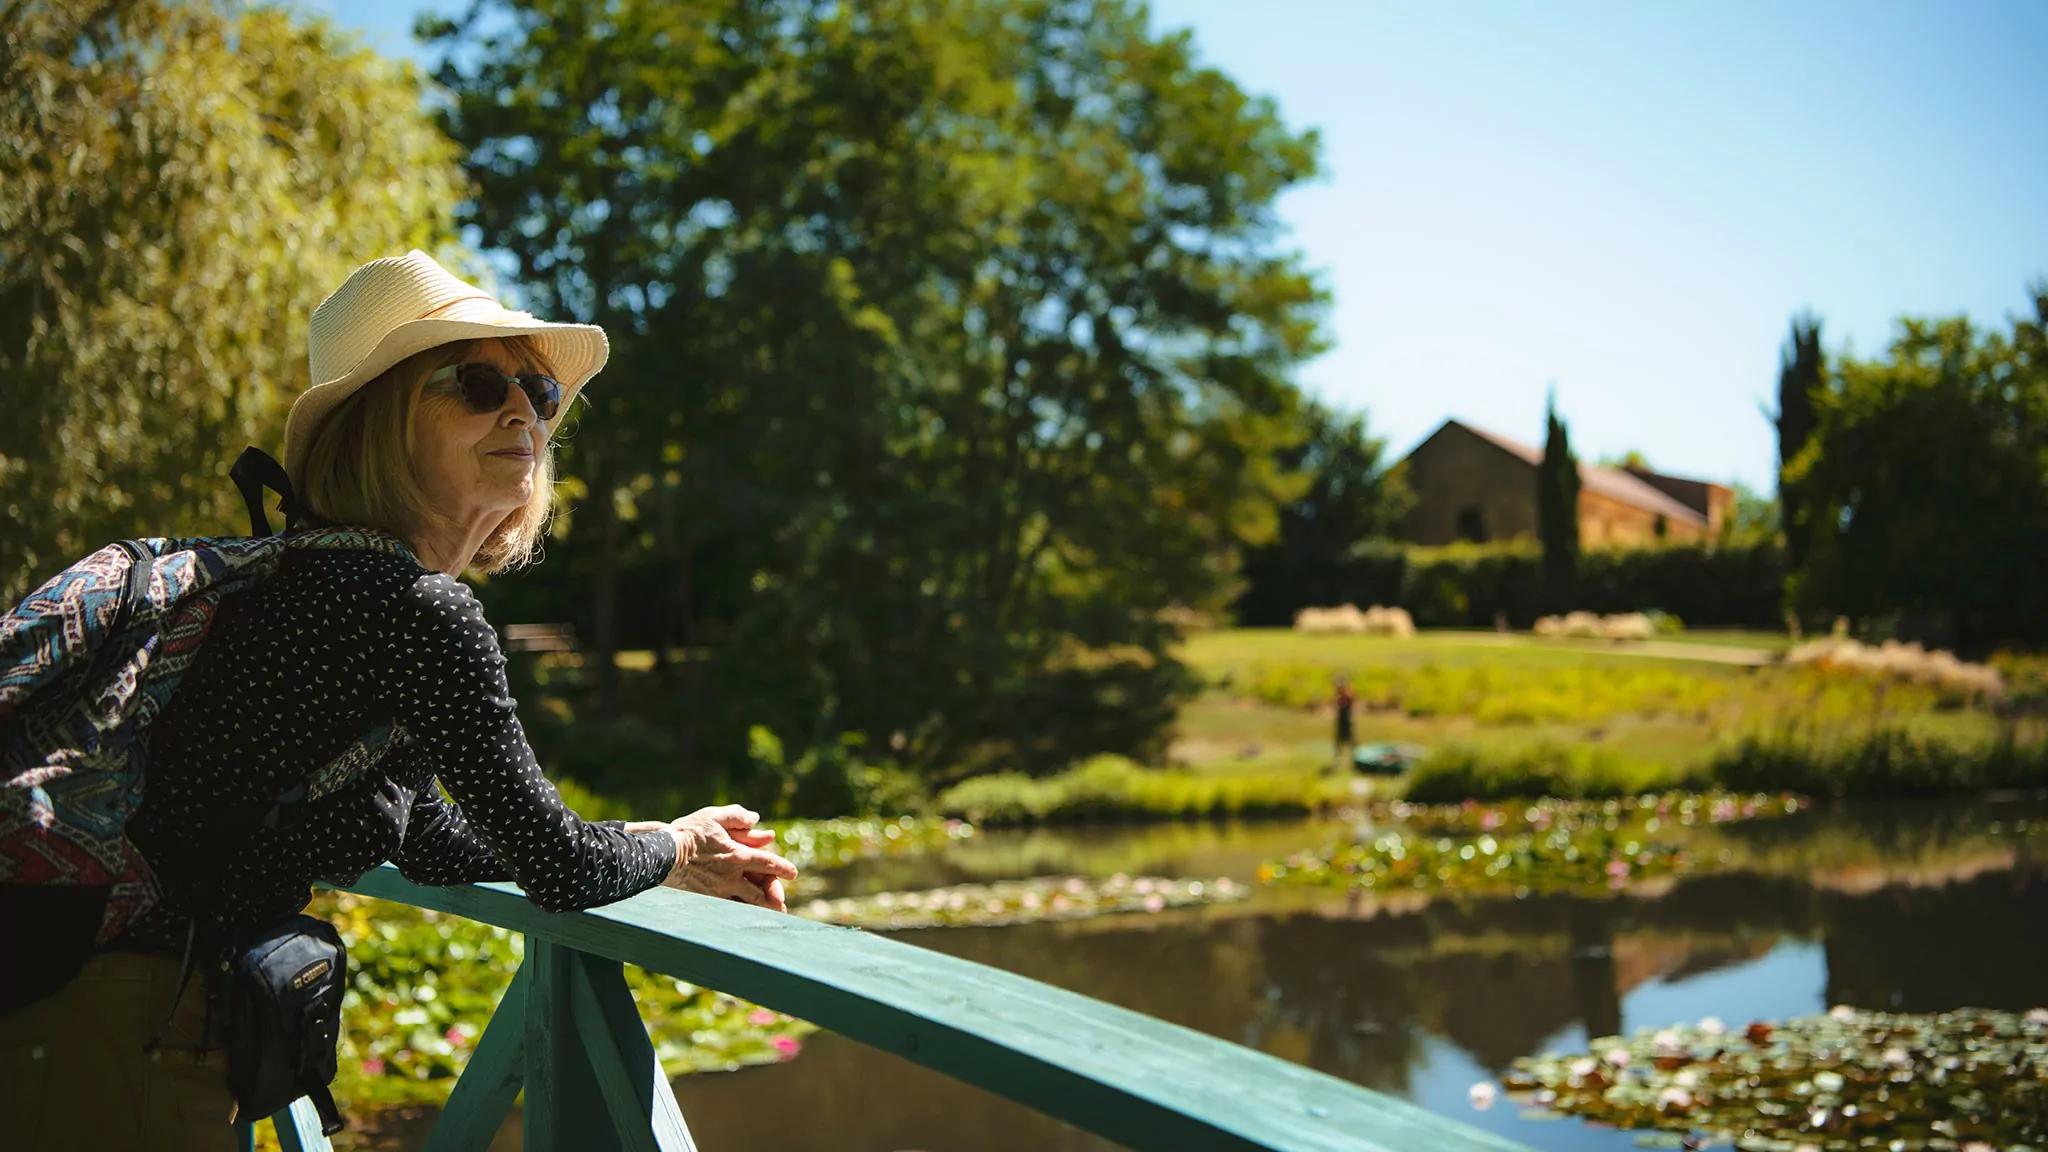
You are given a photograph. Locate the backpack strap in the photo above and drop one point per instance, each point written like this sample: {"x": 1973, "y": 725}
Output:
{"x": 254, "y": 471}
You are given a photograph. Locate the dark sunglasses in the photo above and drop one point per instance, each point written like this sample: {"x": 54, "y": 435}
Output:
{"x": 484, "y": 388}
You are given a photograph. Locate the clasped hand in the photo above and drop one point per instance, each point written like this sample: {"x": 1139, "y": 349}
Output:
{"x": 720, "y": 852}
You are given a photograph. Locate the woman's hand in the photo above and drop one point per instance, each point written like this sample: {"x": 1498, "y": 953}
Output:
{"x": 719, "y": 852}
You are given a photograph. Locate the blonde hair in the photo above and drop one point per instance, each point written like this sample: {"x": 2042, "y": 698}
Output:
{"x": 360, "y": 469}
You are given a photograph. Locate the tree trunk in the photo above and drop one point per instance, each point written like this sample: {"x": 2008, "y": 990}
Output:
{"x": 693, "y": 664}
{"x": 605, "y": 594}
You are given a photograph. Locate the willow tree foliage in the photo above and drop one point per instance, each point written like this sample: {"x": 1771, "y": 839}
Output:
{"x": 953, "y": 352}
{"x": 179, "y": 185}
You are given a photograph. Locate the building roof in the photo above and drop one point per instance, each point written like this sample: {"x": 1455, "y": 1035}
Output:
{"x": 1612, "y": 483}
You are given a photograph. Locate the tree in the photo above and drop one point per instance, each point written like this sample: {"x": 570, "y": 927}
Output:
{"x": 952, "y": 351}
{"x": 1349, "y": 497}
{"x": 180, "y": 185}
{"x": 1802, "y": 375}
{"x": 1557, "y": 510}
{"x": 1926, "y": 478}
{"x": 1753, "y": 519}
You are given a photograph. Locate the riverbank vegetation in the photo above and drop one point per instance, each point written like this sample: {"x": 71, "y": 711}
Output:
{"x": 1513, "y": 716}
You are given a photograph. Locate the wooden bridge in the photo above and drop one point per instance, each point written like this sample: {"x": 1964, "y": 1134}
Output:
{"x": 569, "y": 1033}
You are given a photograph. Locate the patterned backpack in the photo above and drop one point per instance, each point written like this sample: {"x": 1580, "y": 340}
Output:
{"x": 87, "y": 662}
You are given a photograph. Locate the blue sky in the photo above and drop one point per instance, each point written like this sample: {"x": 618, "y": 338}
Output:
{"x": 1628, "y": 200}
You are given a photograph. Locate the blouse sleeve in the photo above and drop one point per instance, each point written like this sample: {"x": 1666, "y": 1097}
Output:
{"x": 441, "y": 848}
{"x": 447, "y": 686}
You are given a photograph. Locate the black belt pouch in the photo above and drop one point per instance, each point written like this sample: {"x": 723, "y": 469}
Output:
{"x": 281, "y": 1008}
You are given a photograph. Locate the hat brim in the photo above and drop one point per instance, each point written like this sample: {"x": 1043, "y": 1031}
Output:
{"x": 576, "y": 352}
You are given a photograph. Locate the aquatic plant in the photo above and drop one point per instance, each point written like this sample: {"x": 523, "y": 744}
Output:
{"x": 1541, "y": 846}
{"x": 1021, "y": 901}
{"x": 1970, "y": 1080}
{"x": 826, "y": 844}
{"x": 1654, "y": 810}
{"x": 422, "y": 986}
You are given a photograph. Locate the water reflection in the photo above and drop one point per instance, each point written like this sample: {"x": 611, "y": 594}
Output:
{"x": 1914, "y": 909}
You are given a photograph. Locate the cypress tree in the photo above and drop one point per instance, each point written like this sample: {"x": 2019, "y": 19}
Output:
{"x": 1800, "y": 373}
{"x": 1557, "y": 512}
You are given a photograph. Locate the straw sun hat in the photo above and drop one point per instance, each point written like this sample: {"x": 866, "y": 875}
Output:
{"x": 393, "y": 308}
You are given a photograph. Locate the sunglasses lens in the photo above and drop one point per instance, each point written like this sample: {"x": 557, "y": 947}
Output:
{"x": 545, "y": 394}
{"x": 484, "y": 388}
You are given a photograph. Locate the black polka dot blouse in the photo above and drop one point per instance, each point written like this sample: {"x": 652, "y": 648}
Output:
{"x": 295, "y": 673}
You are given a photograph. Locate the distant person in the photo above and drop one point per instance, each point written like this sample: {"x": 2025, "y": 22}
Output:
{"x": 422, "y": 447}
{"x": 1345, "y": 701}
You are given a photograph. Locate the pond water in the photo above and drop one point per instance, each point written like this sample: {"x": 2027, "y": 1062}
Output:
{"x": 1909, "y": 908}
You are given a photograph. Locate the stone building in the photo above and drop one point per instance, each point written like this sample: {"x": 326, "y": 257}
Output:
{"x": 1471, "y": 484}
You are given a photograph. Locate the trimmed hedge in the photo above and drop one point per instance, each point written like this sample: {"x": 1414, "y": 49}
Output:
{"x": 1467, "y": 586}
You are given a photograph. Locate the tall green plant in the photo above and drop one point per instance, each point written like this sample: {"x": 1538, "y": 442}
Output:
{"x": 180, "y": 183}
{"x": 1557, "y": 511}
{"x": 1802, "y": 375}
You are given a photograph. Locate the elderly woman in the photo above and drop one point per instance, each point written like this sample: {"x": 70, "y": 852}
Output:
{"x": 429, "y": 420}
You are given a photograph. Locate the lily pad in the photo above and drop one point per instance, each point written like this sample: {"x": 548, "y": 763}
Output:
{"x": 1588, "y": 846}
{"x": 1849, "y": 1079}
{"x": 1021, "y": 901}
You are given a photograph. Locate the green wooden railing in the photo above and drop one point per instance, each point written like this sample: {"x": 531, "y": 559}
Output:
{"x": 569, "y": 1033}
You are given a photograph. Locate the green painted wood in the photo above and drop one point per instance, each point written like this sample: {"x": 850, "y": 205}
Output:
{"x": 643, "y": 1106}
{"x": 1122, "y": 1075}
{"x": 565, "y": 1107}
{"x": 490, "y": 1082}
{"x": 298, "y": 1128}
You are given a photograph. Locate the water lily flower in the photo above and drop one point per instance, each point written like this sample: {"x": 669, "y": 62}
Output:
{"x": 1674, "y": 1099}
{"x": 1667, "y": 1043}
{"x": 1617, "y": 1056}
{"x": 786, "y": 1046}
{"x": 1712, "y": 1026}
{"x": 1483, "y": 1095}
{"x": 760, "y": 1017}
{"x": 1584, "y": 1066}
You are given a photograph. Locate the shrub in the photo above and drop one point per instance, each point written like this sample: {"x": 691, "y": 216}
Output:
{"x": 1113, "y": 788}
{"x": 1882, "y": 764}
{"x": 1471, "y": 585}
{"x": 1374, "y": 621}
{"x": 1957, "y": 679}
{"x": 1586, "y": 625}
{"x": 1570, "y": 771}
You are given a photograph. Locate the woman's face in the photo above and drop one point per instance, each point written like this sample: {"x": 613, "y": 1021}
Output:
{"x": 478, "y": 466}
